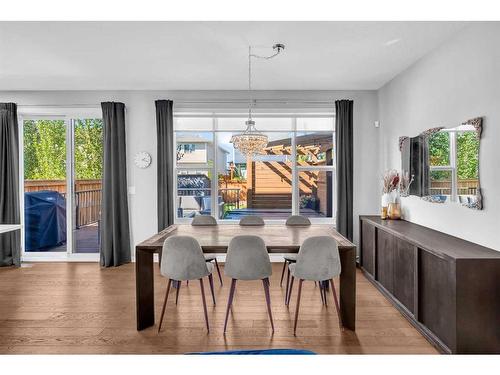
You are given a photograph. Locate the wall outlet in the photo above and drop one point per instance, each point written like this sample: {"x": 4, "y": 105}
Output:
{"x": 377, "y": 124}
{"x": 131, "y": 190}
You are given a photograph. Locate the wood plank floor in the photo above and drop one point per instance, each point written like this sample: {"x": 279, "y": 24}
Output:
{"x": 80, "y": 308}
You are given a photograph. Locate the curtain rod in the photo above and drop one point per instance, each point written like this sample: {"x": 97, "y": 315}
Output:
{"x": 283, "y": 101}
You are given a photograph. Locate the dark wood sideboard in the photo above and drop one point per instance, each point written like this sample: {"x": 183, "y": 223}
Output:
{"x": 448, "y": 288}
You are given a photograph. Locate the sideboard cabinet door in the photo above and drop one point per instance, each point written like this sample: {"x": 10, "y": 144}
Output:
{"x": 368, "y": 247}
{"x": 436, "y": 294}
{"x": 385, "y": 260}
{"x": 404, "y": 273}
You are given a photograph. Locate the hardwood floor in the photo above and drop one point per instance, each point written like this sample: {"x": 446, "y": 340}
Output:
{"x": 64, "y": 308}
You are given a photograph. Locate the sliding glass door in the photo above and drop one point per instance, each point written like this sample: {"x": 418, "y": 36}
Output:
{"x": 62, "y": 171}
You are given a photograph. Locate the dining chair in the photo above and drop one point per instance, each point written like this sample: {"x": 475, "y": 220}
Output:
{"x": 292, "y": 221}
{"x": 318, "y": 260}
{"x": 208, "y": 221}
{"x": 247, "y": 259}
{"x": 182, "y": 261}
{"x": 252, "y": 221}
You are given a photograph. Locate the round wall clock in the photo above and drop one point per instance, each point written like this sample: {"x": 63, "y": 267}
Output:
{"x": 142, "y": 159}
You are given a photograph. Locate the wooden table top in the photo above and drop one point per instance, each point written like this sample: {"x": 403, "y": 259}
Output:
{"x": 278, "y": 237}
{"x": 4, "y": 228}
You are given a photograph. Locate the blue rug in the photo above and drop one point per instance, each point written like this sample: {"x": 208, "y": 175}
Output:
{"x": 260, "y": 352}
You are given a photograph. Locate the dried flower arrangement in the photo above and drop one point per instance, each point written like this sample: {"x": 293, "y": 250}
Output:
{"x": 390, "y": 181}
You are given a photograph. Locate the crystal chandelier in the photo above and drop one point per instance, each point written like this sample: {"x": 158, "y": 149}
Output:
{"x": 251, "y": 141}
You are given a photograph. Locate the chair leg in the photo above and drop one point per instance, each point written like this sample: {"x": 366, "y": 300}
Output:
{"x": 290, "y": 291}
{"x": 229, "y": 301}
{"x": 218, "y": 271}
{"x": 211, "y": 282}
{"x": 265, "y": 283}
{"x": 321, "y": 293}
{"x": 177, "y": 292}
{"x": 204, "y": 303}
{"x": 159, "y": 259}
{"x": 325, "y": 284}
{"x": 297, "y": 308}
{"x": 337, "y": 307}
{"x": 287, "y": 286}
{"x": 187, "y": 283}
{"x": 283, "y": 273}
{"x": 164, "y": 304}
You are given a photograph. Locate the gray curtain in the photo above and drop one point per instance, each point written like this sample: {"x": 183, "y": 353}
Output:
{"x": 10, "y": 243}
{"x": 165, "y": 145}
{"x": 419, "y": 165}
{"x": 115, "y": 232}
{"x": 344, "y": 144}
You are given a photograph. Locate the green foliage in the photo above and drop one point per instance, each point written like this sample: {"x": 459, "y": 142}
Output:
{"x": 439, "y": 149}
{"x": 45, "y": 149}
{"x": 467, "y": 155}
{"x": 88, "y": 148}
{"x": 467, "y": 145}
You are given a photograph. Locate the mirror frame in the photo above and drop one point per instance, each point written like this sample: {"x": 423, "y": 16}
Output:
{"x": 477, "y": 123}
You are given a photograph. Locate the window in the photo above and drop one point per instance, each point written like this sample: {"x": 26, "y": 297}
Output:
{"x": 294, "y": 175}
{"x": 453, "y": 164}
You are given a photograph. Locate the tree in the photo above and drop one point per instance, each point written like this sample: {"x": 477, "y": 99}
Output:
{"x": 45, "y": 149}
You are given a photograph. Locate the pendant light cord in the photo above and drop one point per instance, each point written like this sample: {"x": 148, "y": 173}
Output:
{"x": 278, "y": 48}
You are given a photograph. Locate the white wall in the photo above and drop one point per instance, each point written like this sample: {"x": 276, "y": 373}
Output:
{"x": 141, "y": 136}
{"x": 459, "y": 80}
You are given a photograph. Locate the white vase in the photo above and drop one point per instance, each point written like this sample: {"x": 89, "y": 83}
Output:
{"x": 386, "y": 199}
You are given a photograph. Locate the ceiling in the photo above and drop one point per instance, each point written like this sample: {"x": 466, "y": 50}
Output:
{"x": 211, "y": 55}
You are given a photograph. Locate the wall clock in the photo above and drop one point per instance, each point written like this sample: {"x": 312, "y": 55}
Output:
{"x": 142, "y": 159}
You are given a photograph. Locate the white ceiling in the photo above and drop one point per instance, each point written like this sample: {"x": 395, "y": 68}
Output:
{"x": 211, "y": 55}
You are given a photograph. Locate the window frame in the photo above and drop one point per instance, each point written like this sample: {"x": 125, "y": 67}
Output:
{"x": 296, "y": 169}
{"x": 452, "y": 166}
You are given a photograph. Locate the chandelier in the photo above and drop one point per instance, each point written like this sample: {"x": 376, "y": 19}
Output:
{"x": 251, "y": 141}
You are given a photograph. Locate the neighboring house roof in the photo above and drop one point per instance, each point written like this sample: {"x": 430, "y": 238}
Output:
{"x": 199, "y": 140}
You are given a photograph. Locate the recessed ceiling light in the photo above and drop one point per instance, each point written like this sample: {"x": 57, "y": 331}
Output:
{"x": 392, "y": 41}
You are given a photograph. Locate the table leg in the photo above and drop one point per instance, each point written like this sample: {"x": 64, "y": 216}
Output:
{"x": 144, "y": 289}
{"x": 348, "y": 288}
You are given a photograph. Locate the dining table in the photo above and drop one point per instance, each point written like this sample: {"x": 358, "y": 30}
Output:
{"x": 279, "y": 239}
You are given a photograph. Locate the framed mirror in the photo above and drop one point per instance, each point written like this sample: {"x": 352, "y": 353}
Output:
{"x": 441, "y": 165}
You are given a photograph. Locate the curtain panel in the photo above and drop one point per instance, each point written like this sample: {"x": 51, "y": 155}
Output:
{"x": 165, "y": 147}
{"x": 344, "y": 144}
{"x": 10, "y": 243}
{"x": 115, "y": 232}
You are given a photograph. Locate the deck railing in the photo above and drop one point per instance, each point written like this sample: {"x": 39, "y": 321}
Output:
{"x": 87, "y": 206}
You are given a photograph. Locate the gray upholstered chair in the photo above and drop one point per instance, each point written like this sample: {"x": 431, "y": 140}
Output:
{"x": 292, "y": 221}
{"x": 318, "y": 260}
{"x": 247, "y": 259}
{"x": 207, "y": 221}
{"x": 183, "y": 260}
{"x": 252, "y": 221}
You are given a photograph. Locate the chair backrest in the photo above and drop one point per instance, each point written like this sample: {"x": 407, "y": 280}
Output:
{"x": 252, "y": 221}
{"x": 204, "y": 220}
{"x": 247, "y": 259}
{"x": 297, "y": 221}
{"x": 318, "y": 259}
{"x": 182, "y": 259}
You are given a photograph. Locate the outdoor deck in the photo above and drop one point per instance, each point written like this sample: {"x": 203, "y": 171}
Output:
{"x": 269, "y": 213}
{"x": 86, "y": 241}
